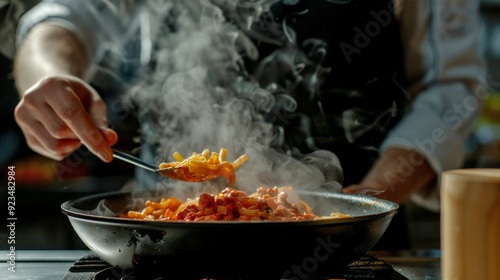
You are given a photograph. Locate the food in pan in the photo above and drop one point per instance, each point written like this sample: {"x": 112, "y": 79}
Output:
{"x": 203, "y": 166}
{"x": 266, "y": 204}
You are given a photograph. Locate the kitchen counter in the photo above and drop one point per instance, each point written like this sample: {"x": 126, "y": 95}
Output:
{"x": 53, "y": 264}
{"x": 417, "y": 264}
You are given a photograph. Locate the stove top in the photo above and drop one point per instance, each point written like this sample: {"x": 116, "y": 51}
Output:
{"x": 91, "y": 267}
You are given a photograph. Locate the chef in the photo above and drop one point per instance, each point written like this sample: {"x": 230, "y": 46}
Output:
{"x": 390, "y": 87}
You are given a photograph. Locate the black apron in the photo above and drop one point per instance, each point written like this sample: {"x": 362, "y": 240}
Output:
{"x": 349, "y": 87}
{"x": 342, "y": 62}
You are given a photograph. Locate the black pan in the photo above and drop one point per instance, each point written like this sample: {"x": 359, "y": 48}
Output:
{"x": 289, "y": 250}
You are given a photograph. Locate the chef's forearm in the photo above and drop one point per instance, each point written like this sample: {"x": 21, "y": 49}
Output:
{"x": 399, "y": 173}
{"x": 48, "y": 50}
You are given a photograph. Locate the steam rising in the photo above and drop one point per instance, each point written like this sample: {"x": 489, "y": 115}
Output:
{"x": 200, "y": 95}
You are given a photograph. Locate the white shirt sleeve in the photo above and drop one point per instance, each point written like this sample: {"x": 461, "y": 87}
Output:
{"x": 444, "y": 61}
{"x": 97, "y": 24}
{"x": 10, "y": 12}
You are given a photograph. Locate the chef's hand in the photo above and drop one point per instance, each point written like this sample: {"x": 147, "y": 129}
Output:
{"x": 60, "y": 113}
{"x": 395, "y": 176}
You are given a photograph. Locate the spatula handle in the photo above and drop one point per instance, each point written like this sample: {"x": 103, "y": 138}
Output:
{"x": 133, "y": 160}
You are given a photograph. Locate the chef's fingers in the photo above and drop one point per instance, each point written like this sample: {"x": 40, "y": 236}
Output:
{"x": 363, "y": 190}
{"x": 70, "y": 106}
{"x": 68, "y": 109}
{"x": 110, "y": 136}
{"x": 38, "y": 138}
{"x": 33, "y": 109}
{"x": 350, "y": 189}
{"x": 40, "y": 141}
{"x": 98, "y": 112}
{"x": 46, "y": 115}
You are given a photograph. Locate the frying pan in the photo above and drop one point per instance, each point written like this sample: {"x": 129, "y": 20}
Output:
{"x": 289, "y": 250}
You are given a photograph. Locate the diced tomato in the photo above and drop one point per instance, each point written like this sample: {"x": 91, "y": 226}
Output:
{"x": 190, "y": 216}
{"x": 206, "y": 201}
{"x": 229, "y": 201}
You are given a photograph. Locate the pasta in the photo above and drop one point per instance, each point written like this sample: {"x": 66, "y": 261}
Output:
{"x": 204, "y": 166}
{"x": 266, "y": 204}
{"x": 270, "y": 204}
